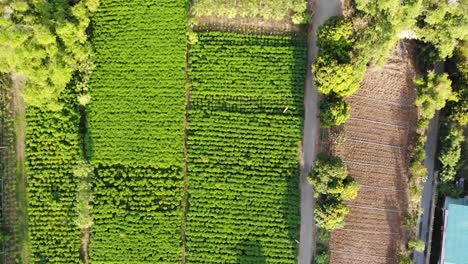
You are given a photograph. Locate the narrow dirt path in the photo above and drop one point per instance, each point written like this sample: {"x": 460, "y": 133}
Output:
{"x": 323, "y": 10}
{"x": 85, "y": 245}
{"x": 428, "y": 187}
{"x": 18, "y": 107}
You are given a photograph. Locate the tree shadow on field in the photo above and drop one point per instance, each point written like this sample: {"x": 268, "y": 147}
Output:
{"x": 251, "y": 252}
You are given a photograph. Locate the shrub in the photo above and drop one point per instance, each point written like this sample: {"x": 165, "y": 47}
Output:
{"x": 451, "y": 151}
{"x": 403, "y": 259}
{"x": 416, "y": 245}
{"x": 334, "y": 111}
{"x": 450, "y": 189}
{"x": 323, "y": 253}
{"x": 418, "y": 170}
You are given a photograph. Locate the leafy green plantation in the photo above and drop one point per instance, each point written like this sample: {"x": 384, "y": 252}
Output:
{"x": 244, "y": 130}
{"x": 53, "y": 149}
{"x": 136, "y": 131}
{"x": 144, "y": 132}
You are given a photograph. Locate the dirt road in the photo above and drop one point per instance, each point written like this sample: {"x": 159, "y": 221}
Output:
{"x": 323, "y": 9}
{"x": 18, "y": 82}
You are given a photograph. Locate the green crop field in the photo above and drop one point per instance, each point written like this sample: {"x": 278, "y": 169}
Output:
{"x": 136, "y": 133}
{"x": 52, "y": 151}
{"x": 245, "y": 126}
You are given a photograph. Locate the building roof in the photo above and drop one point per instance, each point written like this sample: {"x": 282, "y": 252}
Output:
{"x": 456, "y": 232}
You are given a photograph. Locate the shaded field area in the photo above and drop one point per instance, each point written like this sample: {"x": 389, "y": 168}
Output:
{"x": 245, "y": 125}
{"x": 378, "y": 135}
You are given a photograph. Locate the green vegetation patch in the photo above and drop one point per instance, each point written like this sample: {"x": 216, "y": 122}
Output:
{"x": 245, "y": 126}
{"x": 272, "y": 9}
{"x": 138, "y": 88}
{"x": 52, "y": 150}
{"x": 136, "y": 133}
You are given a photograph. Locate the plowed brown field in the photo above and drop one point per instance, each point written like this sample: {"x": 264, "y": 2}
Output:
{"x": 376, "y": 147}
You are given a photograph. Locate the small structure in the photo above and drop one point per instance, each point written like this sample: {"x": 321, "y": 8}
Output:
{"x": 455, "y": 232}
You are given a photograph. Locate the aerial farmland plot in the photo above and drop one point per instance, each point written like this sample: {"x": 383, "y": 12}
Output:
{"x": 136, "y": 133}
{"x": 378, "y": 160}
{"x": 244, "y": 129}
{"x": 227, "y": 131}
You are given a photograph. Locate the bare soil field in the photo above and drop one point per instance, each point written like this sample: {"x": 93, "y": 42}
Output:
{"x": 372, "y": 222}
{"x": 384, "y": 134}
{"x": 385, "y": 177}
{"x": 376, "y": 150}
{"x": 367, "y": 243}
{"x": 356, "y": 258}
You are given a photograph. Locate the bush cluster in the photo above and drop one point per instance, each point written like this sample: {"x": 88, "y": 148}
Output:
{"x": 332, "y": 186}
{"x": 337, "y": 74}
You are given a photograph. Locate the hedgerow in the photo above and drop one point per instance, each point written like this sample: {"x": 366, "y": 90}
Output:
{"x": 245, "y": 125}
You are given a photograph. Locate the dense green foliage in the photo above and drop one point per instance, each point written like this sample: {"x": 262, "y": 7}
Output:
{"x": 332, "y": 186}
{"x": 452, "y": 133}
{"x": 380, "y": 24}
{"x": 273, "y": 9}
{"x": 52, "y": 151}
{"x": 444, "y": 24}
{"x": 333, "y": 111}
{"x": 337, "y": 73}
{"x": 433, "y": 91}
{"x": 451, "y": 151}
{"x": 136, "y": 131}
{"x": 417, "y": 245}
{"x": 46, "y": 42}
{"x": 138, "y": 87}
{"x": 334, "y": 68}
{"x": 322, "y": 255}
{"x": 245, "y": 126}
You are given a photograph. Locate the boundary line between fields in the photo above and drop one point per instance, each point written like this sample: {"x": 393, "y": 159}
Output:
{"x": 185, "y": 196}
{"x": 369, "y": 232}
{"x": 360, "y": 254}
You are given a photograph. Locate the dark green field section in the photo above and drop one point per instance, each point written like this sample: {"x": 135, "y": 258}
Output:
{"x": 136, "y": 133}
{"x": 138, "y": 86}
{"x": 245, "y": 124}
{"x": 52, "y": 150}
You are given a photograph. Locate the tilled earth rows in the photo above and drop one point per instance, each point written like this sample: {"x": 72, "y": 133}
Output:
{"x": 376, "y": 148}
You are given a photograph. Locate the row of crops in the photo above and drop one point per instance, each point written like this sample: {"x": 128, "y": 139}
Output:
{"x": 244, "y": 131}
{"x": 52, "y": 150}
{"x": 136, "y": 133}
{"x": 242, "y": 135}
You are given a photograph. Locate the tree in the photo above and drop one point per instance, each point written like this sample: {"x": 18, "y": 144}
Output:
{"x": 444, "y": 23}
{"x": 334, "y": 111}
{"x": 45, "y": 42}
{"x": 434, "y": 90}
{"x": 330, "y": 214}
{"x": 334, "y": 69}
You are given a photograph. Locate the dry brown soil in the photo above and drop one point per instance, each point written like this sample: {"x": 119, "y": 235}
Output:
{"x": 378, "y": 135}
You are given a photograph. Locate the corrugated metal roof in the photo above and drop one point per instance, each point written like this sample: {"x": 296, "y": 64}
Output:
{"x": 456, "y": 232}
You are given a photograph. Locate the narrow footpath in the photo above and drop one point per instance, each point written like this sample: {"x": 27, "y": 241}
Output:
{"x": 323, "y": 10}
{"x": 426, "y": 201}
